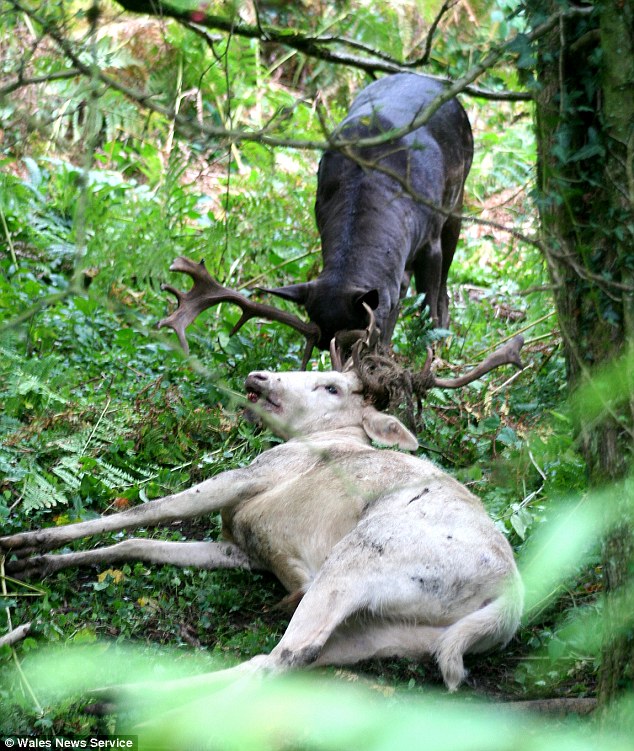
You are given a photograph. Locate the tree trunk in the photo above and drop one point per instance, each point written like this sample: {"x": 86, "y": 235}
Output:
{"x": 617, "y": 44}
{"x": 585, "y": 132}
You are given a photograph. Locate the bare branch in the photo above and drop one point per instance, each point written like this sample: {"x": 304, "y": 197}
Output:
{"x": 601, "y": 281}
{"x": 462, "y": 84}
{"x": 20, "y": 81}
{"x": 558, "y": 706}
{"x": 16, "y": 635}
{"x": 424, "y": 59}
{"x": 418, "y": 198}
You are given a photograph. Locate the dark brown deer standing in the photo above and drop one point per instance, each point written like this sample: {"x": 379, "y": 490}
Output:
{"x": 384, "y": 212}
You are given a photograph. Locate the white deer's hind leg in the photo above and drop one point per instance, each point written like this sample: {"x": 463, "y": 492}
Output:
{"x": 318, "y": 614}
{"x": 367, "y": 639}
{"x": 203, "y": 555}
{"x": 321, "y": 610}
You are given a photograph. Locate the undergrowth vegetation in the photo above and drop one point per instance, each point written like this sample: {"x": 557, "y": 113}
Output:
{"x": 99, "y": 411}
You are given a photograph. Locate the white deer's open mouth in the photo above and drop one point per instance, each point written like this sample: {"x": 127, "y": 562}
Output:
{"x": 256, "y": 394}
{"x": 261, "y": 404}
{"x": 264, "y": 401}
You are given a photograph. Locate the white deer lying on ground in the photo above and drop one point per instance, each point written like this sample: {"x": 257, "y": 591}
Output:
{"x": 392, "y": 556}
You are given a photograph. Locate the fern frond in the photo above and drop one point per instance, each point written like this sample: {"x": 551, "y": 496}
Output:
{"x": 52, "y": 472}
{"x": 70, "y": 471}
{"x": 30, "y": 378}
{"x": 39, "y": 493}
{"x": 115, "y": 477}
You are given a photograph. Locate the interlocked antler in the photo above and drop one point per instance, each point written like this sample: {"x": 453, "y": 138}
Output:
{"x": 356, "y": 342}
{"x": 365, "y": 344}
{"x": 207, "y": 292}
{"x": 392, "y": 387}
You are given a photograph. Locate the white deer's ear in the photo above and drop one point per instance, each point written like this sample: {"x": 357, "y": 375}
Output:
{"x": 387, "y": 430}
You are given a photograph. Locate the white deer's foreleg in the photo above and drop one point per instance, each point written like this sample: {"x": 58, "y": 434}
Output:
{"x": 211, "y": 495}
{"x": 202, "y": 555}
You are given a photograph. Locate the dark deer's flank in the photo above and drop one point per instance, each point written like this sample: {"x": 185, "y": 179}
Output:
{"x": 375, "y": 208}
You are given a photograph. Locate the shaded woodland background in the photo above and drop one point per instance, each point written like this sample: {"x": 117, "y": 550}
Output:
{"x": 134, "y": 132}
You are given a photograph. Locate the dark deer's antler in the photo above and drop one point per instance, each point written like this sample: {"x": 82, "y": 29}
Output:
{"x": 207, "y": 292}
{"x": 356, "y": 342}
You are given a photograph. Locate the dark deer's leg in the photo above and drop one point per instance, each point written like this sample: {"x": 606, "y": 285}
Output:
{"x": 428, "y": 274}
{"x": 449, "y": 240}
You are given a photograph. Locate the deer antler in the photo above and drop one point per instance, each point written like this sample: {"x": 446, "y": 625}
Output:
{"x": 507, "y": 354}
{"x": 207, "y": 292}
{"x": 391, "y": 386}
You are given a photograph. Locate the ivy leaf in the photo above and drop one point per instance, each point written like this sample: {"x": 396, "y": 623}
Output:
{"x": 587, "y": 152}
{"x": 521, "y": 520}
{"x": 521, "y": 45}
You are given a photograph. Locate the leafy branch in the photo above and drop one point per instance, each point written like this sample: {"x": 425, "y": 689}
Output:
{"x": 311, "y": 46}
{"x": 217, "y": 134}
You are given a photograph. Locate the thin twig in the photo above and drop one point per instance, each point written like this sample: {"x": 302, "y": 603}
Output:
{"x": 8, "y": 236}
{"x": 33, "y": 590}
{"x": 25, "y": 681}
{"x": 519, "y": 331}
{"x": 509, "y": 380}
{"x": 267, "y": 272}
{"x": 20, "y": 82}
{"x": 94, "y": 430}
{"x": 549, "y": 335}
{"x": 424, "y": 58}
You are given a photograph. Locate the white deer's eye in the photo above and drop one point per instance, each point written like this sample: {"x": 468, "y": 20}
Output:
{"x": 332, "y": 389}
